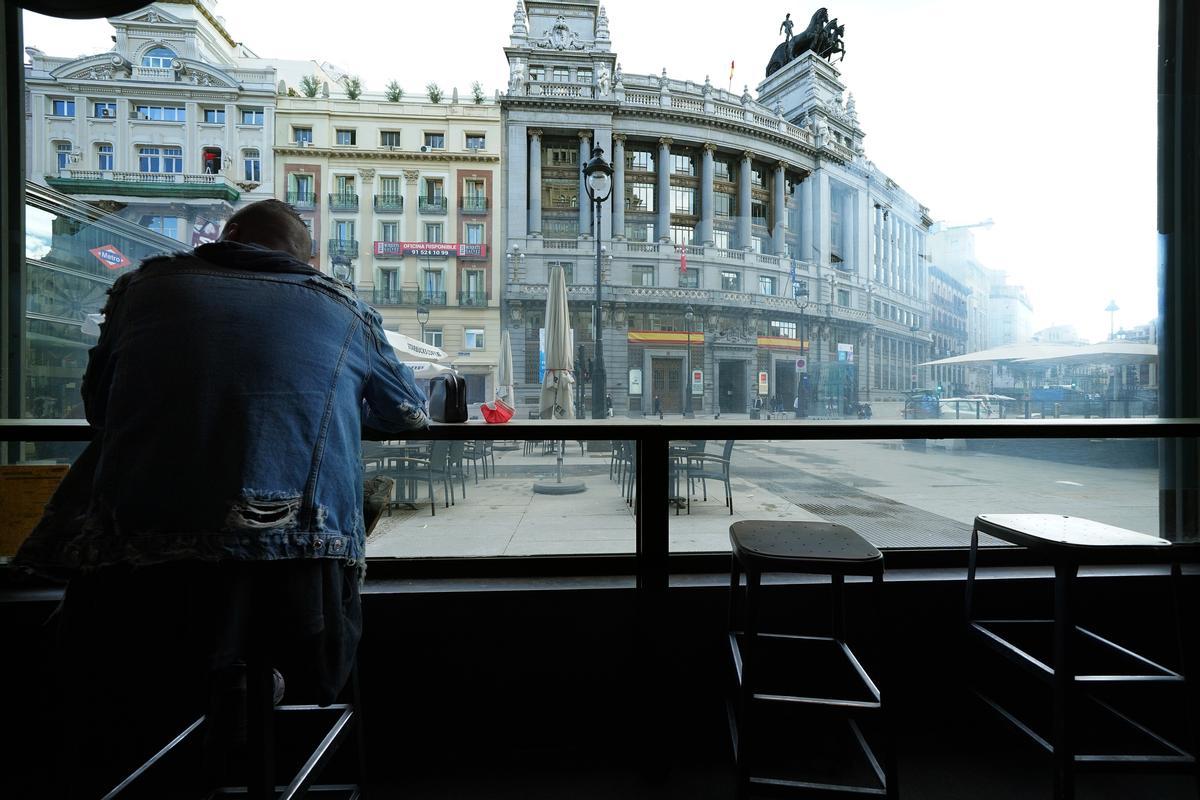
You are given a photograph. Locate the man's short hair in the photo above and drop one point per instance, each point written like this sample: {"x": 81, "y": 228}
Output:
{"x": 273, "y": 224}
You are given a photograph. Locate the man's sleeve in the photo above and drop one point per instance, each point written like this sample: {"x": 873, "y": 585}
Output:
{"x": 392, "y": 402}
{"x": 97, "y": 378}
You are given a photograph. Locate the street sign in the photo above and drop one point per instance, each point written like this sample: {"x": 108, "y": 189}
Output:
{"x": 697, "y": 382}
{"x": 802, "y": 365}
{"x": 762, "y": 384}
{"x": 110, "y": 256}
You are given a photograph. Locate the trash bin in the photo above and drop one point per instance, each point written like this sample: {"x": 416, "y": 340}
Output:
{"x": 754, "y": 413}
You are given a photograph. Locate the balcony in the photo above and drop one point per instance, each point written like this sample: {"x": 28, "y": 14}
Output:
{"x": 343, "y": 247}
{"x": 302, "y": 199}
{"x": 343, "y": 202}
{"x": 432, "y": 205}
{"x": 475, "y": 205}
{"x": 472, "y": 298}
{"x": 394, "y": 297}
{"x": 389, "y": 203}
{"x": 431, "y": 298}
{"x": 175, "y": 185}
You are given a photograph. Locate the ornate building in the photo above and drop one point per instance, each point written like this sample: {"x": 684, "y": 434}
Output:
{"x": 400, "y": 198}
{"x": 802, "y": 268}
{"x": 170, "y": 129}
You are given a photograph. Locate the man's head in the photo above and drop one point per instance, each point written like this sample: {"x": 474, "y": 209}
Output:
{"x": 272, "y": 224}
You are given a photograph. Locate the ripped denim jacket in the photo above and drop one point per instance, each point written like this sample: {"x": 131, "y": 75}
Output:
{"x": 230, "y": 389}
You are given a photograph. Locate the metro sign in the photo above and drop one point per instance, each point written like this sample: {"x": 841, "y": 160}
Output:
{"x": 110, "y": 256}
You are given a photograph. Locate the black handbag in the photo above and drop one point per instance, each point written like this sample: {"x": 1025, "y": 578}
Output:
{"x": 448, "y": 399}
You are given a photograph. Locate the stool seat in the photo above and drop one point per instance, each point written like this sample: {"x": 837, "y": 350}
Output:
{"x": 823, "y": 548}
{"x": 1075, "y": 539}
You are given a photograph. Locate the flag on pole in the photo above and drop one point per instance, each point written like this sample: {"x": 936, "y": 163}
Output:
{"x": 731, "y": 76}
{"x": 682, "y": 260}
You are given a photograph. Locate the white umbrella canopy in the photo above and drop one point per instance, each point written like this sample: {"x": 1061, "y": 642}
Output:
{"x": 407, "y": 347}
{"x": 424, "y": 370}
{"x": 557, "y": 399}
{"x": 504, "y": 372}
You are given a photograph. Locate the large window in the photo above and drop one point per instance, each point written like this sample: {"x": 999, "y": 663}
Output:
{"x": 252, "y": 116}
{"x": 767, "y": 284}
{"x": 345, "y": 137}
{"x": 389, "y": 138}
{"x": 104, "y": 156}
{"x": 252, "y": 165}
{"x": 302, "y": 135}
{"x": 683, "y": 200}
{"x": 639, "y": 160}
{"x": 62, "y": 108}
{"x": 105, "y": 109}
{"x": 62, "y": 154}
{"x": 160, "y": 159}
{"x": 731, "y": 281}
{"x": 159, "y": 57}
{"x": 644, "y": 275}
{"x": 162, "y": 113}
{"x": 435, "y": 141}
{"x": 639, "y": 197}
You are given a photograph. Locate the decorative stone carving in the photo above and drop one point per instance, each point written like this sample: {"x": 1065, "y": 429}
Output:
{"x": 662, "y": 79}
{"x": 559, "y": 37}
{"x": 516, "y": 312}
{"x": 520, "y": 26}
{"x": 366, "y": 174}
{"x": 535, "y": 133}
{"x": 851, "y": 110}
{"x": 602, "y": 25}
{"x": 602, "y": 82}
{"x": 618, "y": 76}
{"x": 411, "y": 175}
{"x": 516, "y": 77}
{"x": 747, "y": 98}
{"x": 708, "y": 87}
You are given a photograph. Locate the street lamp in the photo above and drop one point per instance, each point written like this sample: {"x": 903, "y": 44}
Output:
{"x": 598, "y": 182}
{"x": 800, "y": 294}
{"x": 688, "y": 316}
{"x": 422, "y": 318}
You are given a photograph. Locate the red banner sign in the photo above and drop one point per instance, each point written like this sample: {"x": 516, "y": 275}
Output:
{"x": 429, "y": 249}
{"x": 110, "y": 256}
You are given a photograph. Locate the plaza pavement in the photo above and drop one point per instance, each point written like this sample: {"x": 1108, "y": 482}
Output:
{"x": 895, "y": 497}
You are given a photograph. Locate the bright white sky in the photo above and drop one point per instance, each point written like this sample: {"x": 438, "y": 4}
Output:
{"x": 1039, "y": 115}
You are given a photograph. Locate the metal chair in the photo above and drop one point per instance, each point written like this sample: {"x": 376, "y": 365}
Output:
{"x": 435, "y": 466}
{"x": 704, "y": 467}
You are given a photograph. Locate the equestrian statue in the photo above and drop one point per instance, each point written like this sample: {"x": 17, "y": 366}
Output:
{"x": 823, "y": 36}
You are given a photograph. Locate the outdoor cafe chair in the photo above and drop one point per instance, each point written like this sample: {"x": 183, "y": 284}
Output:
{"x": 704, "y": 467}
{"x": 434, "y": 467}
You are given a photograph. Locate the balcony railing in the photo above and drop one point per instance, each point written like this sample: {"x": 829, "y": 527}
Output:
{"x": 472, "y": 298}
{"x": 343, "y": 202}
{"x": 389, "y": 202}
{"x": 302, "y": 199}
{"x": 475, "y": 205}
{"x": 343, "y": 247}
{"x": 395, "y": 297}
{"x": 432, "y": 205}
{"x": 431, "y": 298}
{"x": 128, "y": 182}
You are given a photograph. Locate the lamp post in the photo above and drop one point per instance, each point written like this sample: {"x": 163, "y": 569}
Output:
{"x": 422, "y": 318}
{"x": 598, "y": 181}
{"x": 800, "y": 293}
{"x": 688, "y": 316}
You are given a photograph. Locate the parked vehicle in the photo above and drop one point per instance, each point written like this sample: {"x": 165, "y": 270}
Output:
{"x": 861, "y": 410}
{"x": 922, "y": 404}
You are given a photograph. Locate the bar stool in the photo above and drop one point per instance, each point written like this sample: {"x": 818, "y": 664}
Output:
{"x": 817, "y": 548}
{"x": 1067, "y": 543}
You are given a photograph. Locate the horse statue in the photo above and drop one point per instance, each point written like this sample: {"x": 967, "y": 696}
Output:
{"x": 823, "y": 36}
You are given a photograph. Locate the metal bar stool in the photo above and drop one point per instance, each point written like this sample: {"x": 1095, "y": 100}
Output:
{"x": 1067, "y": 543}
{"x": 816, "y": 548}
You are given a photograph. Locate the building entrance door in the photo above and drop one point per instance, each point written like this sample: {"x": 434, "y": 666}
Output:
{"x": 732, "y": 389}
{"x": 667, "y": 383}
{"x": 784, "y": 390}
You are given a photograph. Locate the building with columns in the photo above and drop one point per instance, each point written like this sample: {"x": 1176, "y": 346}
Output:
{"x": 747, "y": 238}
{"x": 400, "y": 198}
{"x": 171, "y": 128}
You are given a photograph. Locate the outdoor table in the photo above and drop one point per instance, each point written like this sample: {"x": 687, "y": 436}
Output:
{"x": 405, "y": 473}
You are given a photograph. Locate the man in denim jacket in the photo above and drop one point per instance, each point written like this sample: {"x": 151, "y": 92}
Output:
{"x": 230, "y": 390}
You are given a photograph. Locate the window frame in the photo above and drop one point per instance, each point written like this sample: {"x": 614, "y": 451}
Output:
{"x": 350, "y": 135}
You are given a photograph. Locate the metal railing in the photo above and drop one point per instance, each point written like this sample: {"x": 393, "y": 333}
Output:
{"x": 393, "y": 297}
{"x": 343, "y": 201}
{"x": 474, "y": 205}
{"x": 302, "y": 199}
{"x": 343, "y": 247}
{"x": 389, "y": 202}
{"x": 431, "y": 298}
{"x": 432, "y": 205}
{"x": 472, "y": 298}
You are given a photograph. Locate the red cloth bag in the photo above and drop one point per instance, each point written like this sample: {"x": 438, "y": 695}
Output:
{"x": 496, "y": 412}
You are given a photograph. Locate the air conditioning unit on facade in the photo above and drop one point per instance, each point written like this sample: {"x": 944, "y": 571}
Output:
{"x": 425, "y": 148}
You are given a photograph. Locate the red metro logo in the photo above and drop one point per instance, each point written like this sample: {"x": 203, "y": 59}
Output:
{"x": 110, "y": 256}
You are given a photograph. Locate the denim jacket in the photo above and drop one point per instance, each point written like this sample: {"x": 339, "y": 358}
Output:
{"x": 230, "y": 389}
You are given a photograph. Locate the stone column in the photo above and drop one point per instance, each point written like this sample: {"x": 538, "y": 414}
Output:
{"x": 743, "y": 211}
{"x": 122, "y": 147}
{"x": 535, "y": 182}
{"x": 585, "y": 205}
{"x": 806, "y": 223}
{"x": 82, "y": 144}
{"x": 618, "y": 193}
{"x": 705, "y": 234}
{"x": 662, "y": 222}
{"x": 191, "y": 149}
{"x": 848, "y": 250}
{"x": 515, "y": 186}
{"x": 778, "y": 243}
{"x": 365, "y": 279}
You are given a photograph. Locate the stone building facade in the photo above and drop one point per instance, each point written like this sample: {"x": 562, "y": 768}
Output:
{"x": 804, "y": 267}
{"x": 171, "y": 128}
{"x": 401, "y": 200}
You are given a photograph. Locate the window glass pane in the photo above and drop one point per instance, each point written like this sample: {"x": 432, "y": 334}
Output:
{"x": 389, "y": 139}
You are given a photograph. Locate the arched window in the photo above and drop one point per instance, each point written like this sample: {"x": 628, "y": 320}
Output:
{"x": 104, "y": 156}
{"x": 62, "y": 154}
{"x": 253, "y": 165}
{"x": 158, "y": 57}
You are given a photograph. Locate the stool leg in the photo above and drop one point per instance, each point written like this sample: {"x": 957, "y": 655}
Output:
{"x": 972, "y": 563}
{"x": 260, "y": 701}
{"x": 360, "y": 732}
{"x": 838, "y": 607}
{"x": 1064, "y": 682}
{"x": 750, "y": 645}
{"x": 735, "y": 575}
{"x": 892, "y": 782}
{"x": 1187, "y": 666}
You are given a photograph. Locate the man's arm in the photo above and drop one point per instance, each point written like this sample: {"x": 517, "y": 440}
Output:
{"x": 392, "y": 401}
{"x": 97, "y": 378}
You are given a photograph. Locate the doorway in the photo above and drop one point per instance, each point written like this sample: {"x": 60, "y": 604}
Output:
{"x": 667, "y": 383}
{"x": 732, "y": 387}
{"x": 784, "y": 390}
